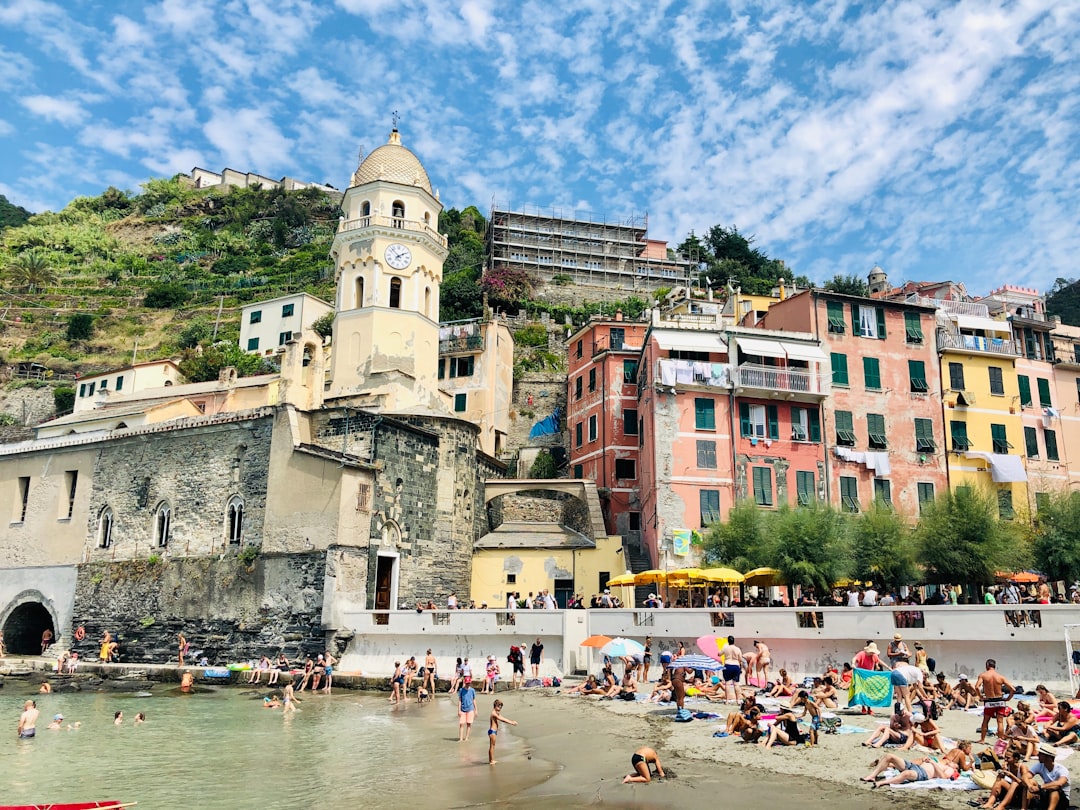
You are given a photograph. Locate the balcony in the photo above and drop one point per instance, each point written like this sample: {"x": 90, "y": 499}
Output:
{"x": 378, "y": 221}
{"x": 975, "y": 343}
{"x": 690, "y": 372}
{"x": 954, "y": 307}
{"x": 780, "y": 380}
{"x": 467, "y": 343}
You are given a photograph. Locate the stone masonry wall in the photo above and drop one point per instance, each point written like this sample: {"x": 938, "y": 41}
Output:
{"x": 230, "y": 609}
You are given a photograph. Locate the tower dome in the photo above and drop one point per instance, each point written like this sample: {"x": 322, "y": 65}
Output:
{"x": 393, "y": 163}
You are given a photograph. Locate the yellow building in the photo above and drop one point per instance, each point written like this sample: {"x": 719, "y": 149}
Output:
{"x": 526, "y": 558}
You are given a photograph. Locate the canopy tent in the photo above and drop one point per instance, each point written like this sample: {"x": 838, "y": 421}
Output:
{"x": 1024, "y": 577}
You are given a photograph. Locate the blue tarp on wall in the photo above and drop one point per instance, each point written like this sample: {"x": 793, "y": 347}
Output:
{"x": 547, "y": 426}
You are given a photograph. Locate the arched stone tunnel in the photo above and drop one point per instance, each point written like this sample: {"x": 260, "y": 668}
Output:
{"x": 23, "y": 628}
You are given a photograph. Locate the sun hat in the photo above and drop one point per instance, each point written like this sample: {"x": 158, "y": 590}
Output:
{"x": 468, "y": 679}
{"x": 962, "y": 676}
{"x": 59, "y": 717}
{"x": 871, "y": 648}
{"x": 1047, "y": 751}
{"x": 897, "y": 636}
{"x": 652, "y": 595}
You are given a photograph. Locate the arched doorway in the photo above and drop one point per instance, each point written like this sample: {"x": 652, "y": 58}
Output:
{"x": 24, "y": 626}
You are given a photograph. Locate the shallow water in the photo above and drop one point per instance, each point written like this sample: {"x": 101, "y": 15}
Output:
{"x": 221, "y": 749}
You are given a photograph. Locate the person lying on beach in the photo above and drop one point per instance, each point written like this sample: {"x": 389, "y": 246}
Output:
{"x": 919, "y": 770}
{"x": 927, "y": 732}
{"x": 587, "y": 687}
{"x": 1047, "y": 701}
{"x": 898, "y": 732}
{"x": 964, "y": 695}
{"x": 783, "y": 686}
{"x": 1006, "y": 785}
{"x": 1062, "y": 727}
{"x": 640, "y": 761}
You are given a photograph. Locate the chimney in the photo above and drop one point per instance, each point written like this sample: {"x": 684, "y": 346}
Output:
{"x": 780, "y": 281}
{"x": 618, "y": 315}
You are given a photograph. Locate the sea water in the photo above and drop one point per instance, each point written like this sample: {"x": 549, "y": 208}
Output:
{"x": 219, "y": 748}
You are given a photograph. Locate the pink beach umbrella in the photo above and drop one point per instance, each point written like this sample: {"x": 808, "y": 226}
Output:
{"x": 711, "y": 646}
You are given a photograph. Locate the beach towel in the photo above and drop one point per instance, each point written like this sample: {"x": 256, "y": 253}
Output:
{"x": 962, "y": 783}
{"x": 683, "y": 716}
{"x": 869, "y": 688}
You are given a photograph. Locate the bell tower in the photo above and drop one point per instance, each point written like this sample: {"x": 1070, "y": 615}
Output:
{"x": 388, "y": 258}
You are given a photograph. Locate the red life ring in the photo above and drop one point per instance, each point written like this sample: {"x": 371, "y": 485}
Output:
{"x": 80, "y": 633}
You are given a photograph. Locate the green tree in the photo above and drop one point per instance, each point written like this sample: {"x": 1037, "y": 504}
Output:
{"x": 1057, "y": 537}
{"x": 882, "y": 550}
{"x": 80, "y": 326}
{"x": 739, "y": 541}
{"x": 11, "y": 215}
{"x": 205, "y": 364}
{"x": 460, "y": 297}
{"x": 166, "y": 296}
{"x": 808, "y": 546}
{"x": 960, "y": 539}
{"x": 324, "y": 326}
{"x": 30, "y": 271}
{"x": 543, "y": 466}
{"x": 510, "y": 287}
{"x": 193, "y": 334}
{"x": 848, "y": 285}
{"x": 63, "y": 399}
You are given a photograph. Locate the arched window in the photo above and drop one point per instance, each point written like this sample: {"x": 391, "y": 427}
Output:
{"x": 162, "y": 524}
{"x": 105, "y": 527}
{"x": 234, "y": 520}
{"x": 427, "y": 301}
{"x": 395, "y": 293}
{"x": 365, "y": 209}
{"x": 359, "y": 292}
{"x": 398, "y": 214}
{"x": 427, "y": 218}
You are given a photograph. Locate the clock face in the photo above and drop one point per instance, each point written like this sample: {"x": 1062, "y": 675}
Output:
{"x": 398, "y": 256}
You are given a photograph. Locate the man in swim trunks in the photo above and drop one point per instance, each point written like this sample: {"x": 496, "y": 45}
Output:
{"x": 733, "y": 660}
{"x": 995, "y": 704}
{"x": 27, "y": 727}
{"x": 640, "y": 761}
{"x": 493, "y": 728}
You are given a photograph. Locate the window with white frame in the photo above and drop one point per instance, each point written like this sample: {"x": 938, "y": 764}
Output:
{"x": 105, "y": 527}
{"x": 868, "y": 326}
{"x": 162, "y": 524}
{"x": 234, "y": 520}
{"x": 759, "y": 424}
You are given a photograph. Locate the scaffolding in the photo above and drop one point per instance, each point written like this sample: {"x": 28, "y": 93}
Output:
{"x": 585, "y": 248}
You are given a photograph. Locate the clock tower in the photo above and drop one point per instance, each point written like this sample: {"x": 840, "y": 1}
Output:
{"x": 388, "y": 257}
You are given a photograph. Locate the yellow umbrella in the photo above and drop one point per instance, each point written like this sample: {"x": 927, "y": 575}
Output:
{"x": 727, "y": 576}
{"x": 685, "y": 583}
{"x": 764, "y": 576}
{"x": 685, "y": 573}
{"x": 622, "y": 579}
{"x": 650, "y": 577}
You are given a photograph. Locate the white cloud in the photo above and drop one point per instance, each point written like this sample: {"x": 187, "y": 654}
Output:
{"x": 248, "y": 139}
{"x": 61, "y": 110}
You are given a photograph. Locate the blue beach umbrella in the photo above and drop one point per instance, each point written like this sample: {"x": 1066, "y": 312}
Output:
{"x": 622, "y": 647}
{"x": 697, "y": 662}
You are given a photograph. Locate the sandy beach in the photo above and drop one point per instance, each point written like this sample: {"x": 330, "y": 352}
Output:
{"x": 591, "y": 742}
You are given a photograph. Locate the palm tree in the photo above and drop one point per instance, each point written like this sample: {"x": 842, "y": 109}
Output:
{"x": 30, "y": 270}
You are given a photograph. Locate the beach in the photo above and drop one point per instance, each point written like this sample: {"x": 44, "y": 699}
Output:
{"x": 592, "y": 741}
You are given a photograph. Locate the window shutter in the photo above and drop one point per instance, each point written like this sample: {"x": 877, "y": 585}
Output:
{"x": 1025, "y": 390}
{"x": 814, "y": 421}
{"x": 1044, "y": 392}
{"x": 774, "y": 422}
{"x": 745, "y": 428}
{"x": 881, "y": 323}
{"x": 856, "y": 326}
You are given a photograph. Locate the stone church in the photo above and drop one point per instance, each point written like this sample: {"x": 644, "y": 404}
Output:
{"x": 250, "y": 514}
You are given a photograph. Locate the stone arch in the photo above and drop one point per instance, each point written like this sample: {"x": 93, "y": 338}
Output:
{"x": 106, "y": 523}
{"x": 391, "y": 534}
{"x": 397, "y": 212}
{"x": 162, "y": 524}
{"x": 24, "y": 619}
{"x": 365, "y": 208}
{"x": 234, "y": 521}
{"x": 582, "y": 491}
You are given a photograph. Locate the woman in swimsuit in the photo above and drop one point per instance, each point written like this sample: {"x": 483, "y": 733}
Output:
{"x": 646, "y": 661}
{"x": 640, "y": 761}
{"x": 275, "y": 672}
{"x": 397, "y": 681}
{"x": 589, "y": 687}
{"x": 784, "y": 687}
{"x": 457, "y": 677}
{"x": 920, "y": 770}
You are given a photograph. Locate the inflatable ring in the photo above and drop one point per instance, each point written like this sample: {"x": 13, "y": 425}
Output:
{"x": 80, "y": 633}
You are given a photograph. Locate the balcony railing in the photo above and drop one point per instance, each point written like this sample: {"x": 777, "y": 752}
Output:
{"x": 690, "y": 372}
{"x": 469, "y": 343}
{"x": 787, "y": 380}
{"x": 955, "y": 307}
{"x": 952, "y": 340}
{"x": 377, "y": 220}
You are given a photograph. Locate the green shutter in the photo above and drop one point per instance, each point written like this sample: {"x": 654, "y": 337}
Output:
{"x": 924, "y": 436}
{"x": 958, "y": 431}
{"x": 883, "y": 491}
{"x": 839, "y": 368}
{"x": 917, "y": 374}
{"x": 881, "y": 323}
{"x": 875, "y": 428}
{"x": 845, "y": 428}
{"x": 804, "y": 483}
{"x": 814, "y": 421}
{"x": 913, "y": 327}
{"x": 774, "y": 422}
{"x": 926, "y": 493}
{"x": 1000, "y": 438}
{"x": 1031, "y": 442}
{"x": 704, "y": 414}
{"x": 1044, "y": 392}
{"x": 1025, "y": 390}
{"x": 1050, "y": 437}
{"x": 745, "y": 427}
{"x": 856, "y": 327}
{"x": 835, "y": 313}
{"x": 872, "y": 373}
{"x": 763, "y": 486}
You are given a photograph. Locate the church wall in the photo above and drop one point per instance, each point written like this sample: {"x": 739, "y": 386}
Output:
{"x": 194, "y": 470}
{"x": 47, "y": 536}
{"x": 231, "y": 609}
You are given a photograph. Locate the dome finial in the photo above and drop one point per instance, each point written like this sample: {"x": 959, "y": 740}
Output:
{"x": 395, "y": 136}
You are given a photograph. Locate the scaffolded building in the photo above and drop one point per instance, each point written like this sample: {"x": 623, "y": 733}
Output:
{"x": 552, "y": 245}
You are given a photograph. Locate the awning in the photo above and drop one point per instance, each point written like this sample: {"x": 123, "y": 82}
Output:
{"x": 986, "y": 324}
{"x": 689, "y": 341}
{"x": 760, "y": 348}
{"x": 805, "y": 351}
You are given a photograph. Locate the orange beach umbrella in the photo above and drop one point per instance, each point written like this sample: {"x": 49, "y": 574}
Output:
{"x": 596, "y": 641}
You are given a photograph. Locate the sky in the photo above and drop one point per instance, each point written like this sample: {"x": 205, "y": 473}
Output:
{"x": 935, "y": 139}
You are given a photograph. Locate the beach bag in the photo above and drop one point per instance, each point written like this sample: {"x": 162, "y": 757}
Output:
{"x": 931, "y": 664}
{"x": 547, "y": 682}
{"x": 533, "y": 682}
{"x": 683, "y": 716}
{"x": 556, "y": 681}
{"x": 831, "y": 725}
{"x": 984, "y": 778}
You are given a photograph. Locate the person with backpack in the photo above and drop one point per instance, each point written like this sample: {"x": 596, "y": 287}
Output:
{"x": 517, "y": 659}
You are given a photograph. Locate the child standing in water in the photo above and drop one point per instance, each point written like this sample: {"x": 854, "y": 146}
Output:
{"x": 493, "y": 729}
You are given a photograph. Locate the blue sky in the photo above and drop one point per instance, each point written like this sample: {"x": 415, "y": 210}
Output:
{"x": 939, "y": 140}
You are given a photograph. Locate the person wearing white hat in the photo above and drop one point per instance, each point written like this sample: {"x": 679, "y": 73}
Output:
{"x": 1054, "y": 790}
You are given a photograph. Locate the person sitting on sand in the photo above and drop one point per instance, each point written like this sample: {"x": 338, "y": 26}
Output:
{"x": 1063, "y": 726}
{"x": 898, "y": 732}
{"x": 785, "y": 730}
{"x": 825, "y": 692}
{"x": 662, "y": 692}
{"x": 783, "y": 686}
{"x": 927, "y": 732}
{"x": 609, "y": 686}
{"x": 919, "y": 770}
{"x": 1047, "y": 701}
{"x": 1006, "y": 785}
{"x": 963, "y": 695}
{"x": 640, "y": 761}
{"x": 1053, "y": 792}
{"x": 1022, "y": 737}
{"x": 747, "y": 715}
{"x": 960, "y": 756}
{"x": 589, "y": 686}
{"x": 628, "y": 687}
